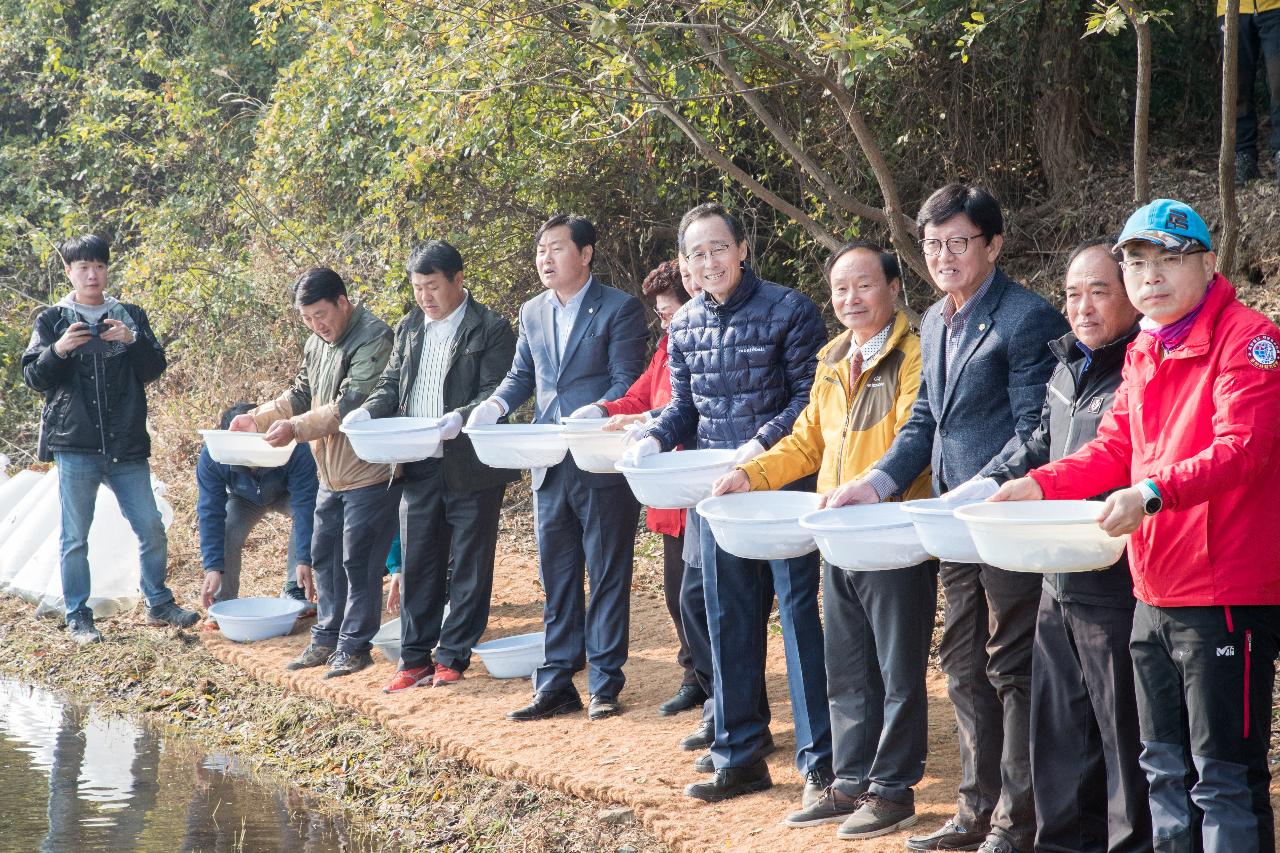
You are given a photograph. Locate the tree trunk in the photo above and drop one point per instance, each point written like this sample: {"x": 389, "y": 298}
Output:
{"x": 1227, "y": 151}
{"x": 1056, "y": 73}
{"x": 1142, "y": 102}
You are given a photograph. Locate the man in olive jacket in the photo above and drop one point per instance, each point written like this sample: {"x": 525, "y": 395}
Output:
{"x": 450, "y": 354}
{"x": 355, "y": 506}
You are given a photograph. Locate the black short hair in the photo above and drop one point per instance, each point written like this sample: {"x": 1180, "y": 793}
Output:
{"x": 1107, "y": 242}
{"x": 709, "y": 209}
{"x": 318, "y": 283}
{"x": 581, "y": 231}
{"x": 234, "y": 411}
{"x": 88, "y": 247}
{"x": 888, "y": 260}
{"x": 974, "y": 202}
{"x": 435, "y": 256}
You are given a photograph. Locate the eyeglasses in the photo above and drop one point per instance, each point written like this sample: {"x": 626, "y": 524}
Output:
{"x": 718, "y": 252}
{"x": 955, "y": 245}
{"x": 1164, "y": 263}
{"x": 665, "y": 313}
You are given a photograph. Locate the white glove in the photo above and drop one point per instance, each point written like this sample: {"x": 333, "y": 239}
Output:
{"x": 355, "y": 416}
{"x": 971, "y": 491}
{"x": 647, "y": 446}
{"x": 591, "y": 410}
{"x": 747, "y": 452}
{"x": 486, "y": 414}
{"x": 450, "y": 426}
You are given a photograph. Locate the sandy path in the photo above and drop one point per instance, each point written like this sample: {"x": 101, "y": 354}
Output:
{"x": 632, "y": 760}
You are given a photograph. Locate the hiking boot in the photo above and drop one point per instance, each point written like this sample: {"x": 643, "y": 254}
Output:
{"x": 345, "y": 663}
{"x": 313, "y": 655}
{"x": 952, "y": 835}
{"x": 547, "y": 704}
{"x": 732, "y": 782}
{"x": 445, "y": 675}
{"x": 81, "y": 630}
{"x": 815, "y": 782}
{"x": 418, "y": 676}
{"x": 688, "y": 697}
{"x": 832, "y": 807}
{"x": 603, "y": 706}
{"x": 702, "y": 738}
{"x": 1246, "y": 168}
{"x": 876, "y": 816}
{"x": 297, "y": 593}
{"x": 170, "y": 613}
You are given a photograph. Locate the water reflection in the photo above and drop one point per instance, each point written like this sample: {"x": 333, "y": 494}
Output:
{"x": 78, "y": 781}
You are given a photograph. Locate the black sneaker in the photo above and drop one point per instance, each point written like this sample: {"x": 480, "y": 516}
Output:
{"x": 815, "y": 782}
{"x": 832, "y": 807}
{"x": 702, "y": 738}
{"x": 732, "y": 782}
{"x": 82, "y": 631}
{"x": 343, "y": 663}
{"x": 313, "y": 655}
{"x": 876, "y": 816}
{"x": 170, "y": 613}
{"x": 1246, "y": 168}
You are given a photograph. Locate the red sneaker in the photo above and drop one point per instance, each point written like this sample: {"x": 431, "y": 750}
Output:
{"x": 444, "y": 675}
{"x": 419, "y": 676}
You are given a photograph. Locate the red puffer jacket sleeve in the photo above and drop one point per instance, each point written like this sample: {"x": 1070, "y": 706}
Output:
{"x": 651, "y": 391}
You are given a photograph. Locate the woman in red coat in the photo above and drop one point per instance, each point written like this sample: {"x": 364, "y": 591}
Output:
{"x": 648, "y": 394}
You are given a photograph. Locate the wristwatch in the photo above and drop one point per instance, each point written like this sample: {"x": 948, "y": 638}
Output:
{"x": 1151, "y": 500}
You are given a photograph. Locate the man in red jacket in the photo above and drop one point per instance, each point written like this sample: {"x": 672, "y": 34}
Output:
{"x": 1192, "y": 444}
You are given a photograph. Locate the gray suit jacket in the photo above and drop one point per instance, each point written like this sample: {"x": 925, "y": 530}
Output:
{"x": 605, "y": 353}
{"x": 968, "y": 417}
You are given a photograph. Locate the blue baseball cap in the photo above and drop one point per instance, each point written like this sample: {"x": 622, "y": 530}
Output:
{"x": 1167, "y": 223}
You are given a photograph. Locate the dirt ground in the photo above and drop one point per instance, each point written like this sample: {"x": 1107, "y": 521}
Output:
{"x": 631, "y": 761}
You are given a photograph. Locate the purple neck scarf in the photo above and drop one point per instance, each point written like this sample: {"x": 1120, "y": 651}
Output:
{"x": 1174, "y": 335}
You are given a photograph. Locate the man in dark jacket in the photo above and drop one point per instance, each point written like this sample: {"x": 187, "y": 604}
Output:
{"x": 91, "y": 356}
{"x": 986, "y": 360}
{"x": 234, "y": 498}
{"x": 1090, "y": 791}
{"x": 743, "y": 355}
{"x": 450, "y": 354}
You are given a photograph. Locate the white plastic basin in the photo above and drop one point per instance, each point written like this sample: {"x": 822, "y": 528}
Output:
{"x": 387, "y": 640}
{"x": 592, "y": 448}
{"x": 244, "y": 448}
{"x": 866, "y": 538}
{"x": 943, "y": 535}
{"x": 512, "y": 657}
{"x": 247, "y": 619}
{"x": 518, "y": 445}
{"x": 1042, "y": 536}
{"x": 393, "y": 440}
{"x": 761, "y": 525}
{"x": 676, "y": 480}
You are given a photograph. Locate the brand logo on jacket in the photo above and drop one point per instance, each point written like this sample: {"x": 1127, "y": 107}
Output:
{"x": 1095, "y": 405}
{"x": 1263, "y": 352}
{"x": 1227, "y": 652}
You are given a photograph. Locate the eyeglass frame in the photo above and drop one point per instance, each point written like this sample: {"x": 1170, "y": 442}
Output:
{"x": 941, "y": 242}
{"x": 1162, "y": 263}
{"x": 700, "y": 259}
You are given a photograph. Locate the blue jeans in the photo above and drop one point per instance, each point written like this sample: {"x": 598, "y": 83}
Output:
{"x": 79, "y": 476}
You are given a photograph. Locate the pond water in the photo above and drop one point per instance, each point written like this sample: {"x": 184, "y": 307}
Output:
{"x": 74, "y": 780}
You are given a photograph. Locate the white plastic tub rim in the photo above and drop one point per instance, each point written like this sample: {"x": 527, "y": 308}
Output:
{"x": 1042, "y": 536}
{"x": 868, "y": 537}
{"x": 855, "y": 518}
{"x": 518, "y": 445}
{"x": 584, "y": 424}
{"x": 244, "y": 448}
{"x": 391, "y": 426}
{"x": 1050, "y": 513}
{"x": 394, "y": 440}
{"x": 512, "y": 657}
{"x": 759, "y": 508}
{"x": 387, "y": 640}
{"x": 677, "y": 461}
{"x": 246, "y": 620}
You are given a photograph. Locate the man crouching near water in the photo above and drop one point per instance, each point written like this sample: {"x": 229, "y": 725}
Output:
{"x": 1191, "y": 443}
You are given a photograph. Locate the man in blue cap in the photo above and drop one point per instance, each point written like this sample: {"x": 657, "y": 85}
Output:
{"x": 1191, "y": 453}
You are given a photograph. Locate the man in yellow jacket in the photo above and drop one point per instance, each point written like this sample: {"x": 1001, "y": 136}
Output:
{"x": 878, "y": 624}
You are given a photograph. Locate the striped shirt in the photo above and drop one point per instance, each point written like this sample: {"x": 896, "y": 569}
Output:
{"x": 955, "y": 318}
{"x": 426, "y": 397}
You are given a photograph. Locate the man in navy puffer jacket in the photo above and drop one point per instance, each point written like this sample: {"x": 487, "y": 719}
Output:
{"x": 742, "y": 360}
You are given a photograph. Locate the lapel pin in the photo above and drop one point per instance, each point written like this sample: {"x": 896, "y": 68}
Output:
{"x": 982, "y": 327}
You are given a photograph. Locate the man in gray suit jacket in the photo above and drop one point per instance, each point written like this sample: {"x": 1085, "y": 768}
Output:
{"x": 986, "y": 359}
{"x": 580, "y": 342}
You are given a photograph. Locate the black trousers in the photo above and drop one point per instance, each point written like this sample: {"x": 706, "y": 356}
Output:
{"x": 673, "y": 569}
{"x": 448, "y": 541}
{"x": 1090, "y": 792}
{"x": 1205, "y": 677}
{"x": 878, "y": 628}
{"x": 986, "y": 654}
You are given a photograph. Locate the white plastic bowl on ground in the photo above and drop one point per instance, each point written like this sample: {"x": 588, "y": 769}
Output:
{"x": 393, "y": 440}
{"x": 518, "y": 445}
{"x": 676, "y": 480}
{"x": 761, "y": 525}
{"x": 943, "y": 535}
{"x": 512, "y": 657}
{"x": 592, "y": 448}
{"x": 244, "y": 448}
{"x": 1042, "y": 536}
{"x": 387, "y": 640}
{"x": 247, "y": 619}
{"x": 866, "y": 538}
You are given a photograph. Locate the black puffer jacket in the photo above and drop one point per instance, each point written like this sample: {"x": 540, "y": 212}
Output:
{"x": 1075, "y": 402}
{"x": 741, "y": 370}
{"x": 94, "y": 402}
